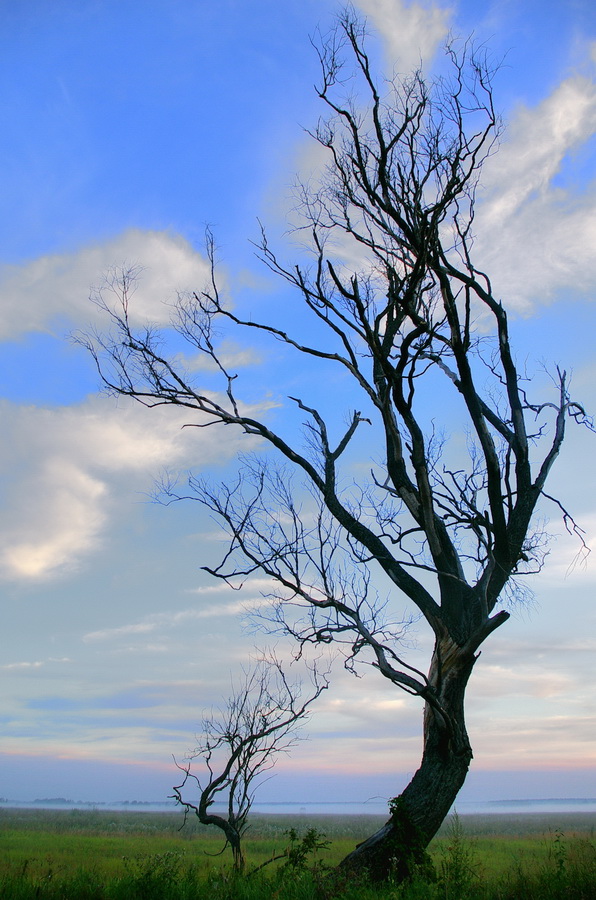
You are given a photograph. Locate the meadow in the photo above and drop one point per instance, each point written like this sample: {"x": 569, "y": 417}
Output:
{"x": 83, "y": 854}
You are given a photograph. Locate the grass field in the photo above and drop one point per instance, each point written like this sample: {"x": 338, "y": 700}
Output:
{"x": 102, "y": 855}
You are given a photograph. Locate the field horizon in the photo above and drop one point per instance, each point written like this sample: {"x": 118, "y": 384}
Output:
{"x": 374, "y": 806}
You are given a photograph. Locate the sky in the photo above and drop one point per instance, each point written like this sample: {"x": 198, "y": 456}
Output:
{"x": 128, "y": 126}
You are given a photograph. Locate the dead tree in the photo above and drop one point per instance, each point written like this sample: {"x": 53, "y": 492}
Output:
{"x": 391, "y": 298}
{"x": 239, "y": 743}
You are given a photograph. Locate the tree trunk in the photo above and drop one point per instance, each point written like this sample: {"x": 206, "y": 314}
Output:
{"x": 398, "y": 849}
{"x": 238, "y": 854}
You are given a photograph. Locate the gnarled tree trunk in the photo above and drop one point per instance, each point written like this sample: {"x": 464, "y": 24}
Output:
{"x": 398, "y": 849}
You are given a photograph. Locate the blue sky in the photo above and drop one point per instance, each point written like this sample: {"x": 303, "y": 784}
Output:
{"x": 127, "y": 127}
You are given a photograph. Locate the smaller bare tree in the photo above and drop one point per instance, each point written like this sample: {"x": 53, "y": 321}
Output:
{"x": 240, "y": 742}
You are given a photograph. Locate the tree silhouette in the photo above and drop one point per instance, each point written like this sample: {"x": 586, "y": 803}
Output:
{"x": 240, "y": 742}
{"x": 392, "y": 299}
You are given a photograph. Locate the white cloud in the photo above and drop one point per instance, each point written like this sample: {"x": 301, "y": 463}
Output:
{"x": 34, "y": 295}
{"x": 412, "y": 32}
{"x": 252, "y": 585}
{"x": 23, "y": 665}
{"x": 168, "y": 620}
{"x": 219, "y": 588}
{"x": 35, "y": 665}
{"x": 532, "y": 741}
{"x": 121, "y": 631}
{"x": 535, "y": 231}
{"x": 67, "y": 466}
{"x": 533, "y": 680}
{"x": 535, "y": 237}
{"x": 66, "y": 461}
{"x": 58, "y": 520}
{"x": 231, "y": 355}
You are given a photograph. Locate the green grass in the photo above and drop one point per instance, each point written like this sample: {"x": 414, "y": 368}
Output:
{"x": 102, "y": 855}
{"x": 72, "y": 839}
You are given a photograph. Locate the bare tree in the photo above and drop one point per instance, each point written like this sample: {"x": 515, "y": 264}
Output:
{"x": 392, "y": 299}
{"x": 238, "y": 744}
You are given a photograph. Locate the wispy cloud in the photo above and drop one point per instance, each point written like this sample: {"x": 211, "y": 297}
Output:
{"x": 121, "y": 631}
{"x": 231, "y": 356}
{"x": 536, "y": 234}
{"x": 34, "y": 295}
{"x": 23, "y": 665}
{"x": 161, "y": 622}
{"x": 252, "y": 585}
{"x": 521, "y": 679}
{"x": 411, "y": 31}
{"x": 35, "y": 665}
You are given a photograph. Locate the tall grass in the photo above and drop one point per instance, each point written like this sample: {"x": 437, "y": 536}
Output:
{"x": 135, "y": 856}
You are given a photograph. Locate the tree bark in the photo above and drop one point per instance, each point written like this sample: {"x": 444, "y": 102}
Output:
{"x": 398, "y": 849}
{"x": 237, "y": 853}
